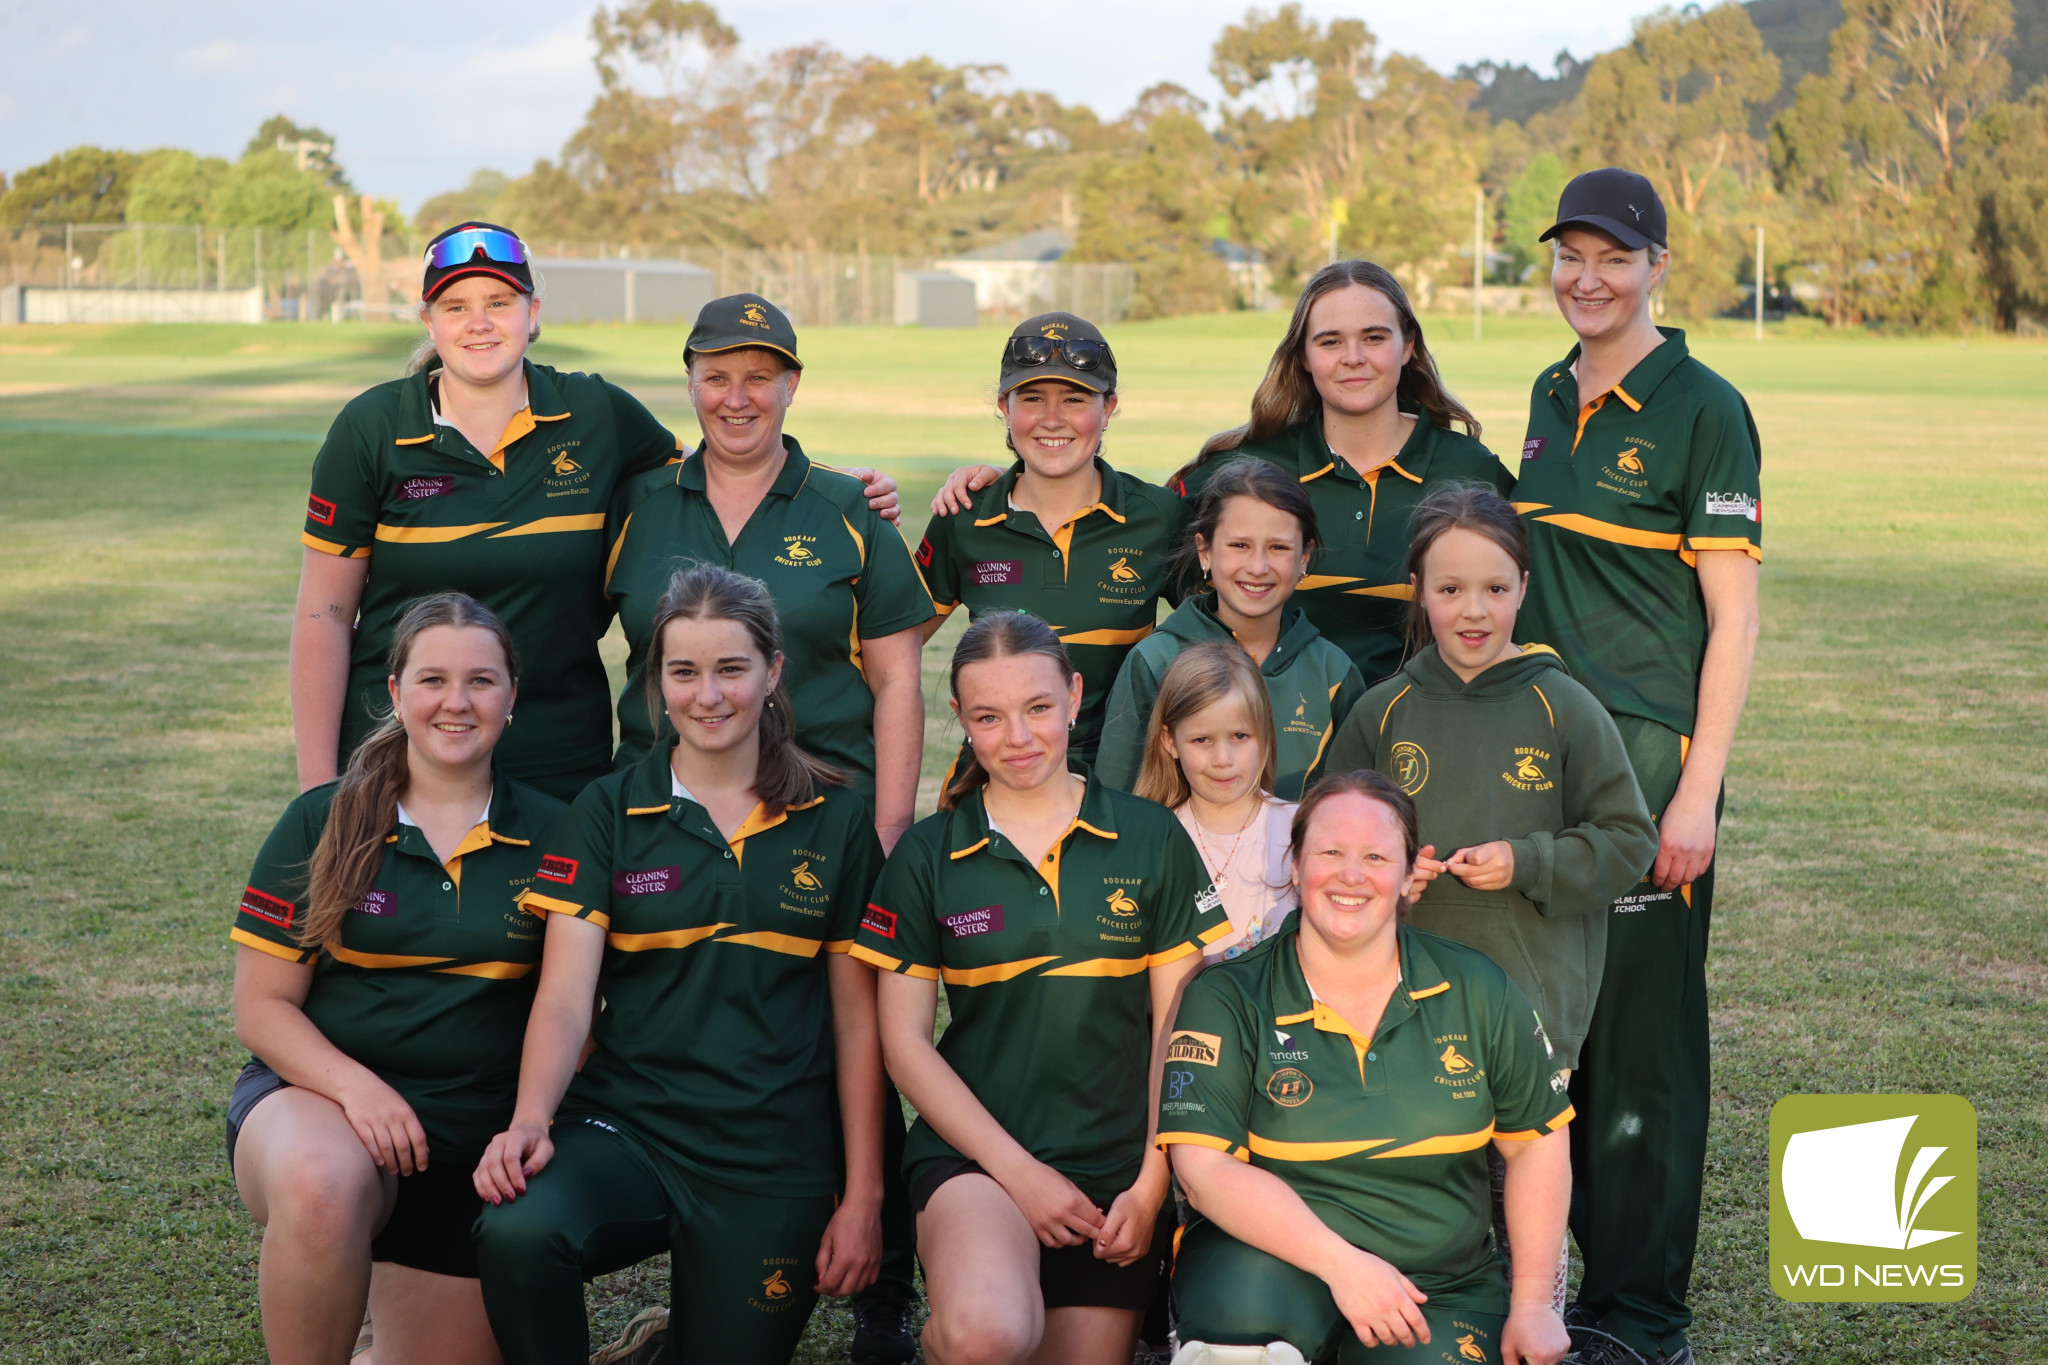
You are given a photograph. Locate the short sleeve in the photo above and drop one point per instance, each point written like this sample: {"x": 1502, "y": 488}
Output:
{"x": 1188, "y": 916}
{"x": 644, "y": 443}
{"x": 1724, "y": 500}
{"x": 1502, "y": 479}
{"x": 342, "y": 509}
{"x": 273, "y": 905}
{"x": 574, "y": 876}
{"x": 862, "y": 864}
{"x": 891, "y": 593}
{"x": 1529, "y": 1098}
{"x": 1205, "y": 1093}
{"x": 938, "y": 565}
{"x": 899, "y": 929}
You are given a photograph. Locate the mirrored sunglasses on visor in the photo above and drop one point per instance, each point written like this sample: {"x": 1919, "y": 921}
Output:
{"x": 1081, "y": 353}
{"x": 459, "y": 248}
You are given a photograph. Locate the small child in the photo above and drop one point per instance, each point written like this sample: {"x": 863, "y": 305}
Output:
{"x": 1209, "y": 759}
{"x": 1251, "y": 538}
{"x": 1512, "y": 765}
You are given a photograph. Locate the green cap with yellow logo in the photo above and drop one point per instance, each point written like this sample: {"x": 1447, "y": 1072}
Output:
{"x": 739, "y": 320}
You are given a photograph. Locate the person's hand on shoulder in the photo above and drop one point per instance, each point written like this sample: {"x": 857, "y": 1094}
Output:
{"x": 957, "y": 493}
{"x": 882, "y": 499}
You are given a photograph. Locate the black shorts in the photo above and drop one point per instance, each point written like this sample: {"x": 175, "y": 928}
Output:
{"x": 1074, "y": 1277}
{"x": 430, "y": 1225}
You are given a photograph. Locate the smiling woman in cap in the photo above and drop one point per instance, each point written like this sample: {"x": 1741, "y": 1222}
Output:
{"x": 1639, "y": 485}
{"x": 481, "y": 472}
{"x": 1061, "y": 534}
{"x": 749, "y": 499}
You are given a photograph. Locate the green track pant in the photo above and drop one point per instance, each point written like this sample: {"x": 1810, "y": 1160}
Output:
{"x": 742, "y": 1266}
{"x": 1639, "y": 1141}
{"x": 1230, "y": 1294}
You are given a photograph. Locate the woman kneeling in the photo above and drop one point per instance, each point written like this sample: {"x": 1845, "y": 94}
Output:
{"x": 1328, "y": 1101}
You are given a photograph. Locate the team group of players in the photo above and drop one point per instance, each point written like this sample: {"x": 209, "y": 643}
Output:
{"x": 1311, "y": 959}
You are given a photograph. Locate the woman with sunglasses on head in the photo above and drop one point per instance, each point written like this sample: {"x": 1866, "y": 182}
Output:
{"x": 1640, "y": 489}
{"x": 481, "y": 472}
{"x": 1061, "y": 534}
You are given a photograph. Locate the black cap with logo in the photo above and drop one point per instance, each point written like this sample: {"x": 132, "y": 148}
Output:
{"x": 1620, "y": 203}
{"x": 475, "y": 249}
{"x": 739, "y": 320}
{"x": 1058, "y": 346}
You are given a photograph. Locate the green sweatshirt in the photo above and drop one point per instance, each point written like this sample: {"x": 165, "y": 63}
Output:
{"x": 1521, "y": 753}
{"x": 1313, "y": 684}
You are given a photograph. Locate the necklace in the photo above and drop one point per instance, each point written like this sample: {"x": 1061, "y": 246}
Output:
{"x": 1222, "y": 878}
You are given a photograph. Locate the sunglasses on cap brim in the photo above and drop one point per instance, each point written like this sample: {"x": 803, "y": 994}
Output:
{"x": 460, "y": 248}
{"x": 1028, "y": 352}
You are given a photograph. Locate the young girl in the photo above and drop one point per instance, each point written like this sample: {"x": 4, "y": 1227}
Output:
{"x": 1210, "y": 762}
{"x": 707, "y": 894}
{"x": 1512, "y": 765}
{"x": 1064, "y": 919}
{"x": 383, "y": 978}
{"x": 1253, "y": 535}
{"x": 1061, "y": 535}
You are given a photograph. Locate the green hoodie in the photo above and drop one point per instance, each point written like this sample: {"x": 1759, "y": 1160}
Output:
{"x": 1521, "y": 753}
{"x": 1312, "y": 682}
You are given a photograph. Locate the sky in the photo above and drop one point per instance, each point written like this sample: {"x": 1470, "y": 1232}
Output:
{"x": 419, "y": 95}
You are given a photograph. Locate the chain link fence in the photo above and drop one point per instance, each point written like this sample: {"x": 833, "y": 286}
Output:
{"x": 150, "y": 272}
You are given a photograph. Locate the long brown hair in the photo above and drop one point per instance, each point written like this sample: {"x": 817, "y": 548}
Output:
{"x": 786, "y": 776}
{"x": 1373, "y": 786}
{"x": 1475, "y": 507}
{"x": 1245, "y": 476}
{"x": 999, "y": 635}
{"x": 351, "y": 847}
{"x": 1199, "y": 677}
{"x": 1287, "y": 395}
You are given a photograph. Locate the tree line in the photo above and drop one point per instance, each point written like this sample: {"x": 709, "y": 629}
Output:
{"x": 1903, "y": 181}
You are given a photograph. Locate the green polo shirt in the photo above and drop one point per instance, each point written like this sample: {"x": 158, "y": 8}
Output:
{"x": 1384, "y": 1137}
{"x": 430, "y": 984}
{"x": 1620, "y": 493}
{"x": 1045, "y": 970}
{"x": 714, "y": 1045}
{"x": 520, "y": 529}
{"x": 840, "y": 574}
{"x": 1358, "y": 593}
{"x": 1096, "y": 580}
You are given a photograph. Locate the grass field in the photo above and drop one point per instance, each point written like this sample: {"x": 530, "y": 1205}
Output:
{"x": 1885, "y": 854}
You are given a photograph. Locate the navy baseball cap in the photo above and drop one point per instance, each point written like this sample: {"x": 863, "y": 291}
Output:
{"x": 1620, "y": 203}
{"x": 475, "y": 249}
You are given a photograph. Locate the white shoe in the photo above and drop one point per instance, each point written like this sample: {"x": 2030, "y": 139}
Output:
{"x": 1272, "y": 1353}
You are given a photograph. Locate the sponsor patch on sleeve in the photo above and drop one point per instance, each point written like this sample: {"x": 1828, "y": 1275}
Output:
{"x": 1734, "y": 505}
{"x": 319, "y": 509}
{"x": 924, "y": 552}
{"x": 1533, "y": 447}
{"x": 557, "y": 869}
{"x": 266, "y": 907}
{"x": 1188, "y": 1046}
{"x": 879, "y": 921}
{"x": 1208, "y": 900}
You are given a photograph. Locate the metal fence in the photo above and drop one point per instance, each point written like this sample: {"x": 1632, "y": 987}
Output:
{"x": 304, "y": 276}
